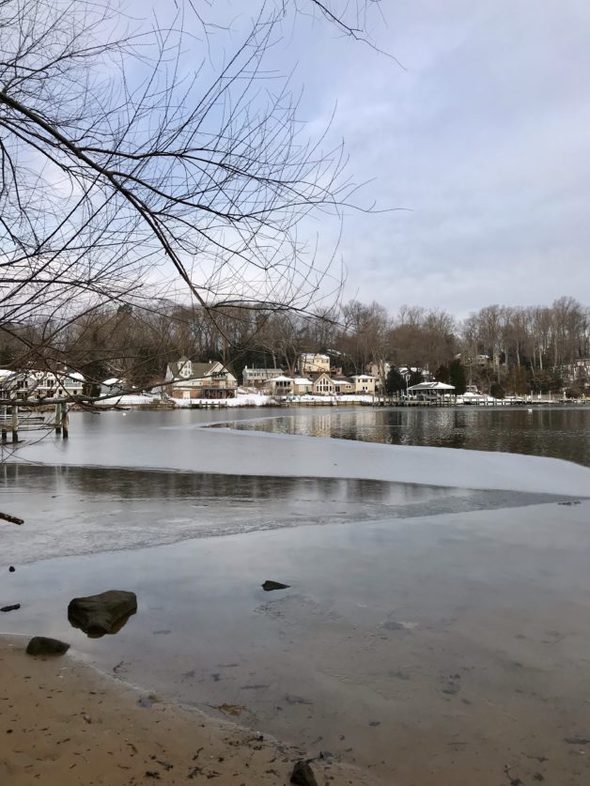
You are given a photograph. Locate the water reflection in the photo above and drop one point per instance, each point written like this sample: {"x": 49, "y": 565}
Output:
{"x": 556, "y": 432}
{"x": 79, "y": 510}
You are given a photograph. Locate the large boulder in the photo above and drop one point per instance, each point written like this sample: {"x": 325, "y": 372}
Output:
{"x": 41, "y": 645}
{"x": 105, "y": 613}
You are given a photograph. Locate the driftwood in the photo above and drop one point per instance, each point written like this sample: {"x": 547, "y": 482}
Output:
{"x": 11, "y": 519}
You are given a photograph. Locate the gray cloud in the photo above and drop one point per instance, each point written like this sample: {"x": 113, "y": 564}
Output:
{"x": 484, "y": 138}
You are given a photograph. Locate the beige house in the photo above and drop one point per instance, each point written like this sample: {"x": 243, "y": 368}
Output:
{"x": 323, "y": 386}
{"x": 364, "y": 383}
{"x": 313, "y": 363}
{"x": 302, "y": 386}
{"x": 343, "y": 385}
{"x": 186, "y": 380}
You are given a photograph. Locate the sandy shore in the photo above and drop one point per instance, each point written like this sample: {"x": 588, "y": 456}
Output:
{"x": 63, "y": 723}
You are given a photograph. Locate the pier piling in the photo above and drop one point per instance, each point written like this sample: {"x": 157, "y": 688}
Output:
{"x": 14, "y": 423}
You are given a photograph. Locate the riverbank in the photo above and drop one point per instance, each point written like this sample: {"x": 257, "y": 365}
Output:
{"x": 61, "y": 722}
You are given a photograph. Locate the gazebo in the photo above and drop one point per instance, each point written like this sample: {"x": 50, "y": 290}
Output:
{"x": 431, "y": 391}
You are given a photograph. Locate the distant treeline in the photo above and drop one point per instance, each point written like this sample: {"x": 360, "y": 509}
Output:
{"x": 535, "y": 348}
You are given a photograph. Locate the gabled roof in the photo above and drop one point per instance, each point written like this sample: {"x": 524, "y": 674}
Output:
{"x": 198, "y": 370}
{"x": 176, "y": 366}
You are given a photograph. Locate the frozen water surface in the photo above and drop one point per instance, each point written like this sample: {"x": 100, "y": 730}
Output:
{"x": 177, "y": 440}
{"x": 436, "y": 632}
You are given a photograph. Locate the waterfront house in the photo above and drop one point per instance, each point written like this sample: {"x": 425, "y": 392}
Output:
{"x": 430, "y": 391}
{"x": 36, "y": 386}
{"x": 282, "y": 385}
{"x": 342, "y": 385}
{"x": 112, "y": 387}
{"x": 323, "y": 386}
{"x": 260, "y": 377}
{"x": 302, "y": 386}
{"x": 186, "y": 379}
{"x": 313, "y": 363}
{"x": 364, "y": 383}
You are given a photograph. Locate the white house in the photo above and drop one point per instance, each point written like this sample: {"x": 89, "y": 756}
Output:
{"x": 259, "y": 377}
{"x": 429, "y": 391}
{"x": 282, "y": 385}
{"x": 42, "y": 385}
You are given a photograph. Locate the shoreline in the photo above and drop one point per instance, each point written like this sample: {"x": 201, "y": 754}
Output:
{"x": 65, "y": 722}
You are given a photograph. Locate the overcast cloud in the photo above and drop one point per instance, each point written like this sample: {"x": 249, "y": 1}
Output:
{"x": 484, "y": 138}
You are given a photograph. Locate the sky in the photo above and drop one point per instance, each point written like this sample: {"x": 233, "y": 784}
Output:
{"x": 475, "y": 150}
{"x": 483, "y": 138}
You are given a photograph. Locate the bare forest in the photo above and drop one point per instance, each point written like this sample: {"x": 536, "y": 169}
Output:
{"x": 528, "y": 349}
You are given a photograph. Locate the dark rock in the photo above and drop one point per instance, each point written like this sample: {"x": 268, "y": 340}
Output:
{"x": 14, "y": 607}
{"x": 302, "y": 774}
{"x": 270, "y": 585}
{"x": 11, "y": 569}
{"x": 105, "y": 613}
{"x": 40, "y": 645}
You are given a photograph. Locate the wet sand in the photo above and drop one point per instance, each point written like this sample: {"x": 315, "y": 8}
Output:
{"x": 63, "y": 724}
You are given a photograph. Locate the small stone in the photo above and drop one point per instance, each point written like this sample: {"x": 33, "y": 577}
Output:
{"x": 14, "y": 607}
{"x": 270, "y": 585}
{"x": 41, "y": 645}
{"x": 11, "y": 569}
{"x": 302, "y": 774}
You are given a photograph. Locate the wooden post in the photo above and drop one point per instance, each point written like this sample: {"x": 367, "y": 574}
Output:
{"x": 14, "y": 423}
{"x": 4, "y": 419}
{"x": 57, "y": 419}
{"x": 65, "y": 423}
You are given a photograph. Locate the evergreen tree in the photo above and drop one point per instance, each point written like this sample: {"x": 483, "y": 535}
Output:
{"x": 457, "y": 377}
{"x": 395, "y": 383}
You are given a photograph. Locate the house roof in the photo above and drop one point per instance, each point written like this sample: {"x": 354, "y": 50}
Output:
{"x": 198, "y": 370}
{"x": 431, "y": 386}
{"x": 324, "y": 374}
{"x": 282, "y": 378}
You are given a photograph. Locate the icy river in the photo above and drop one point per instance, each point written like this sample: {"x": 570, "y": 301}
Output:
{"x": 437, "y": 621}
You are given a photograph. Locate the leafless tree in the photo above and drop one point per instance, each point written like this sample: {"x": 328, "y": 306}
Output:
{"x": 137, "y": 163}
